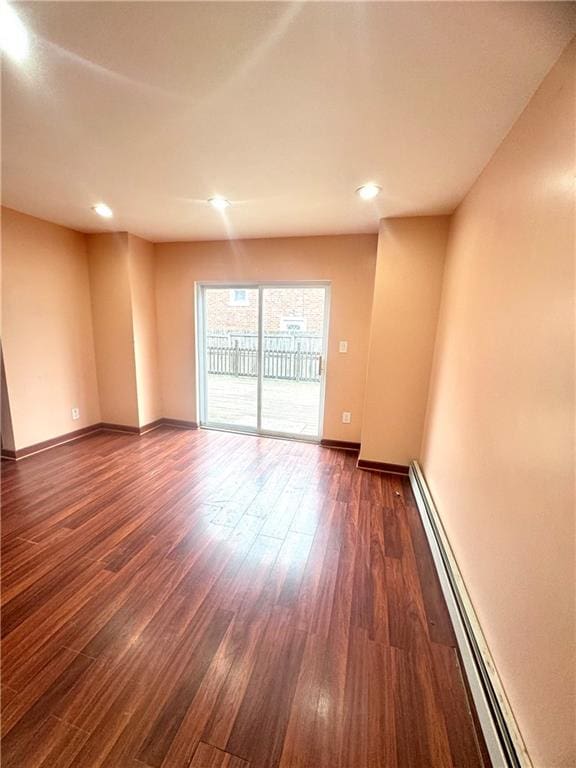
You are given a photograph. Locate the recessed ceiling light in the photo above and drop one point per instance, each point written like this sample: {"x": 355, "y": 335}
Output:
{"x": 103, "y": 210}
{"x": 220, "y": 203}
{"x": 368, "y": 191}
{"x": 13, "y": 35}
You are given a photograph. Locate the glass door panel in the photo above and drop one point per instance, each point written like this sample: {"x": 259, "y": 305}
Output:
{"x": 293, "y": 343}
{"x": 230, "y": 357}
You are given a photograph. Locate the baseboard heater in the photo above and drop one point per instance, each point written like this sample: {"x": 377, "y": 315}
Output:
{"x": 503, "y": 740}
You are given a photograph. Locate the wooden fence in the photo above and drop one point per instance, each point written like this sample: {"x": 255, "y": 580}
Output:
{"x": 293, "y": 362}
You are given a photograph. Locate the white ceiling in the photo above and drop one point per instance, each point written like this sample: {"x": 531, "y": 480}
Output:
{"x": 285, "y": 108}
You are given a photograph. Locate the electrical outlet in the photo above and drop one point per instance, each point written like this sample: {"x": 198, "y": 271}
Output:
{"x": 75, "y": 413}
{"x": 343, "y": 346}
{"x": 346, "y": 417}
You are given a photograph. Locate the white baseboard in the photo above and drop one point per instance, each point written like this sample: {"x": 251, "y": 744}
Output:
{"x": 501, "y": 733}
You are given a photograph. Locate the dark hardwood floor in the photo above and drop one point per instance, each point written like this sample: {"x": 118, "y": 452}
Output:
{"x": 206, "y": 599}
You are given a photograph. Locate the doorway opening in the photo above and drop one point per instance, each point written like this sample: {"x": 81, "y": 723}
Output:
{"x": 262, "y": 357}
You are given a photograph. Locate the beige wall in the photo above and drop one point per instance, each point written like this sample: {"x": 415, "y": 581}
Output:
{"x": 143, "y": 297}
{"x": 79, "y": 315}
{"x": 46, "y": 328}
{"x": 347, "y": 261}
{"x": 407, "y": 292}
{"x": 498, "y": 451}
{"x": 113, "y": 329}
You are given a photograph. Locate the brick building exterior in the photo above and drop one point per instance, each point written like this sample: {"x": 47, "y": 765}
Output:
{"x": 285, "y": 310}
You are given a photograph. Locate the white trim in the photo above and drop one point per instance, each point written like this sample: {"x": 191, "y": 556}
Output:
{"x": 266, "y": 284}
{"x": 201, "y": 389}
{"x": 501, "y": 733}
{"x": 253, "y": 433}
{"x": 260, "y": 367}
{"x": 325, "y": 337}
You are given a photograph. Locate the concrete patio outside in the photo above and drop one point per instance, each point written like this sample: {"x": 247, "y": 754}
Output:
{"x": 291, "y": 407}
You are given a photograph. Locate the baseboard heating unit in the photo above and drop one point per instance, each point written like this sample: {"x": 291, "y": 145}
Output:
{"x": 503, "y": 739}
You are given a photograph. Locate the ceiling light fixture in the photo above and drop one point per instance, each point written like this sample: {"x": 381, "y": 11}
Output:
{"x": 13, "y": 35}
{"x": 368, "y": 191}
{"x": 103, "y": 210}
{"x": 220, "y": 203}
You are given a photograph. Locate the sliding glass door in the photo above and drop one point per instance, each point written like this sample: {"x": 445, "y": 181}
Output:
{"x": 261, "y": 357}
{"x": 293, "y": 343}
{"x": 231, "y": 357}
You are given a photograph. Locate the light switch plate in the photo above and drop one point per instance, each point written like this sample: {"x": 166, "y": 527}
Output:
{"x": 343, "y": 346}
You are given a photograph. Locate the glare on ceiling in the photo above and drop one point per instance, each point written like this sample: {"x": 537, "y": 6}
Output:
{"x": 103, "y": 210}
{"x": 220, "y": 203}
{"x": 368, "y": 191}
{"x": 13, "y": 35}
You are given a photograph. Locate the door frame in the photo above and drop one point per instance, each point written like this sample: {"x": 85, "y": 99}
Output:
{"x": 201, "y": 389}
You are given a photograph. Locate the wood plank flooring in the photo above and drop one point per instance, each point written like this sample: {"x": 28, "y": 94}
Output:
{"x": 204, "y": 600}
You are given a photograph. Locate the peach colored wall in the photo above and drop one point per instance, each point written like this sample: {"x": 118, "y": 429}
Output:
{"x": 498, "y": 451}
{"x": 407, "y": 292}
{"x": 143, "y": 296}
{"x": 113, "y": 330}
{"x": 47, "y": 329}
{"x": 347, "y": 261}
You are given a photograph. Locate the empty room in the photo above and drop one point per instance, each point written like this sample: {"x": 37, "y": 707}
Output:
{"x": 288, "y": 393}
